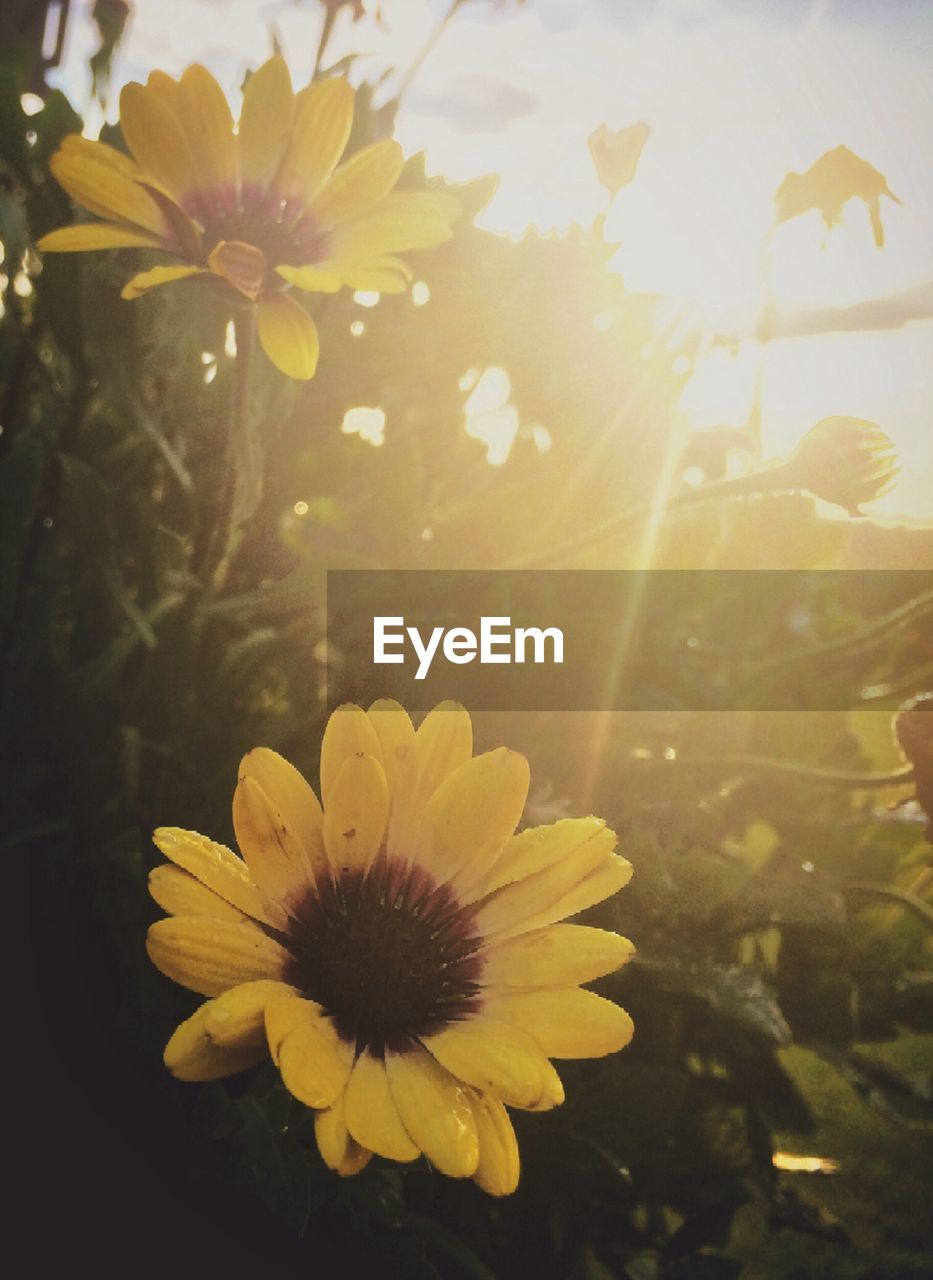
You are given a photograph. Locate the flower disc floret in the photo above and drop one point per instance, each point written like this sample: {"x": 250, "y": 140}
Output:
{"x": 391, "y": 956}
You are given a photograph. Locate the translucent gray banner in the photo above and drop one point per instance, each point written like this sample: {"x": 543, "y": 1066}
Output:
{"x": 568, "y": 640}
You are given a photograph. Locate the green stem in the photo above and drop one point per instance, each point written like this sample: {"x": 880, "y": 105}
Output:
{"x": 765, "y": 333}
{"x": 765, "y": 764}
{"x": 244, "y": 483}
{"x": 330, "y": 16}
{"x": 873, "y": 633}
{"x": 902, "y": 897}
{"x": 768, "y": 480}
{"x": 909, "y": 684}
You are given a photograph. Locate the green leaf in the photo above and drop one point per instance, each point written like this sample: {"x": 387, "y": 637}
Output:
{"x": 734, "y": 993}
{"x": 904, "y": 1098}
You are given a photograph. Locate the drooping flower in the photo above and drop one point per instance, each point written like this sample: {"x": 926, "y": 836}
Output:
{"x": 258, "y": 208}
{"x": 399, "y": 952}
{"x": 616, "y": 152}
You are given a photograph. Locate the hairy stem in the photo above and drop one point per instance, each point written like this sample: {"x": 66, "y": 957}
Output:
{"x": 768, "y": 480}
{"x": 808, "y": 773}
{"x": 244, "y": 479}
{"x": 889, "y": 893}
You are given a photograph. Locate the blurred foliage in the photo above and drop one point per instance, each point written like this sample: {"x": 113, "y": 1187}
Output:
{"x": 110, "y": 17}
{"x": 781, "y": 906}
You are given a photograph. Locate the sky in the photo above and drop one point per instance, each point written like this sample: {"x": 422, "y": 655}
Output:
{"x": 737, "y": 93}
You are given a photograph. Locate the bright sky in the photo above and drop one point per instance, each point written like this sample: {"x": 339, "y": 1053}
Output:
{"x": 737, "y": 92}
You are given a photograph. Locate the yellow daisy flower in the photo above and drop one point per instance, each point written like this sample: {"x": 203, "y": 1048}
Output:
{"x": 258, "y": 207}
{"x": 398, "y": 952}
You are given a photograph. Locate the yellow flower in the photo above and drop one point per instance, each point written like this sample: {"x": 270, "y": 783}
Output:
{"x": 257, "y": 208}
{"x": 398, "y": 952}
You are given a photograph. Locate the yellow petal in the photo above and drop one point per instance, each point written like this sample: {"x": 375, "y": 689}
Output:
{"x": 322, "y": 122}
{"x": 348, "y": 733}
{"x": 371, "y": 1115}
{"x": 435, "y": 1111}
{"x": 240, "y": 264}
{"x": 88, "y": 236}
{"x": 562, "y": 955}
{"x": 356, "y": 814}
{"x": 338, "y": 1150}
{"x": 570, "y": 1023}
{"x": 471, "y": 815}
{"x": 608, "y": 878}
{"x": 208, "y": 124}
{"x": 510, "y": 907}
{"x": 215, "y": 866}
{"x": 288, "y": 336}
{"x": 143, "y": 281}
{"x": 283, "y": 1015}
{"x": 355, "y": 1159}
{"x": 180, "y": 894}
{"x": 499, "y": 1166}
{"x": 156, "y": 138}
{"x": 265, "y": 126}
{"x": 403, "y": 220}
{"x": 498, "y": 1057}
{"x": 101, "y": 152}
{"x": 330, "y": 1130}
{"x": 311, "y": 279}
{"x": 315, "y": 1063}
{"x": 380, "y": 273}
{"x": 104, "y": 189}
{"x": 237, "y": 1018}
{"x": 375, "y": 277}
{"x": 359, "y": 184}
{"x": 443, "y": 741}
{"x": 539, "y": 847}
{"x": 294, "y": 797}
{"x": 395, "y": 732}
{"x": 271, "y": 849}
{"x": 374, "y": 258}
{"x": 210, "y": 956}
{"x": 192, "y": 1055}
{"x": 162, "y": 84}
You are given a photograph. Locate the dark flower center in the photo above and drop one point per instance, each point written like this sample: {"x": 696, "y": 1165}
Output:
{"x": 391, "y": 956}
{"x": 297, "y": 244}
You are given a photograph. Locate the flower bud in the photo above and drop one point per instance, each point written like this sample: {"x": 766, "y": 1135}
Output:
{"x": 846, "y": 461}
